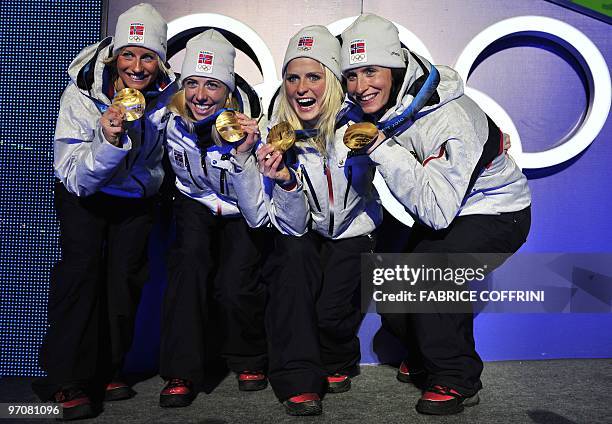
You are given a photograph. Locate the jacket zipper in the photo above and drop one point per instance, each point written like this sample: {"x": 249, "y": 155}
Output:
{"x": 311, "y": 188}
{"x": 330, "y": 193}
{"x": 203, "y": 161}
{"x": 349, "y": 179}
{"x": 190, "y": 174}
{"x": 222, "y": 181}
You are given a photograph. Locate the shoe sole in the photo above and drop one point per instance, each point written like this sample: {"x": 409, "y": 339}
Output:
{"x": 304, "y": 409}
{"x": 175, "y": 401}
{"x": 438, "y": 408}
{"x": 403, "y": 378}
{"x": 345, "y": 386}
{"x": 120, "y": 393}
{"x": 252, "y": 385}
{"x": 417, "y": 379}
{"x": 77, "y": 413}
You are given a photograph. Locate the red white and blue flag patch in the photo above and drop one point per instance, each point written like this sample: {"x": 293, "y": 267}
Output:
{"x": 179, "y": 158}
{"x": 137, "y": 31}
{"x": 205, "y": 62}
{"x": 358, "y": 52}
{"x": 305, "y": 43}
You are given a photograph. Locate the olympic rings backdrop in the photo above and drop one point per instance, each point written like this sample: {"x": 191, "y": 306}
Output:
{"x": 539, "y": 69}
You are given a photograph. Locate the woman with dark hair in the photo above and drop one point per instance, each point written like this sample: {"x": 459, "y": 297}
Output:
{"x": 443, "y": 159}
{"x": 326, "y": 209}
{"x": 108, "y": 171}
{"x": 214, "y": 246}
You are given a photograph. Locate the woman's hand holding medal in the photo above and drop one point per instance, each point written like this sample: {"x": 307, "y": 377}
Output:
{"x": 112, "y": 125}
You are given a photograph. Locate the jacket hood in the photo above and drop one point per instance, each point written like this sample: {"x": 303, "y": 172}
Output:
{"x": 449, "y": 88}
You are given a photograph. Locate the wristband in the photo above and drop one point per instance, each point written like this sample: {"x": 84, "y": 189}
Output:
{"x": 289, "y": 185}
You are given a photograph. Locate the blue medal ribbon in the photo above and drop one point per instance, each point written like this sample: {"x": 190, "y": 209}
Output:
{"x": 392, "y": 126}
{"x": 306, "y": 134}
{"x": 398, "y": 124}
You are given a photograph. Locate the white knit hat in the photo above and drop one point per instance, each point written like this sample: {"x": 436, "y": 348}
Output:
{"x": 210, "y": 55}
{"x": 371, "y": 40}
{"x": 142, "y": 26}
{"x": 315, "y": 42}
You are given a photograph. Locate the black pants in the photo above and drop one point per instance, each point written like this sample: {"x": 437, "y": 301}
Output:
{"x": 222, "y": 254}
{"x": 95, "y": 288}
{"x": 443, "y": 343}
{"x": 313, "y": 313}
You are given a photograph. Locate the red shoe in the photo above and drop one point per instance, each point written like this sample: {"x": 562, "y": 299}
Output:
{"x": 415, "y": 376}
{"x": 338, "y": 383}
{"x": 250, "y": 381}
{"x": 442, "y": 400}
{"x": 75, "y": 404}
{"x": 177, "y": 393}
{"x": 118, "y": 390}
{"x": 304, "y": 404}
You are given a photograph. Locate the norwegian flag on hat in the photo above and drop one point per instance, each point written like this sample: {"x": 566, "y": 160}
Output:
{"x": 305, "y": 43}
{"x": 358, "y": 46}
{"x": 358, "y": 52}
{"x": 205, "y": 62}
{"x": 137, "y": 31}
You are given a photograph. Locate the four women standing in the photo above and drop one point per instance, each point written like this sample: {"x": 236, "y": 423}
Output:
{"x": 317, "y": 193}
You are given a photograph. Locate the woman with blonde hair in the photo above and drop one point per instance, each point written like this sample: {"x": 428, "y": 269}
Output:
{"x": 108, "y": 171}
{"x": 215, "y": 253}
{"x": 326, "y": 209}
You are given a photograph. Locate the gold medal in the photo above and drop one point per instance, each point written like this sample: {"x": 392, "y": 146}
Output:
{"x": 228, "y": 127}
{"x": 281, "y": 136}
{"x": 131, "y": 102}
{"x": 357, "y": 136}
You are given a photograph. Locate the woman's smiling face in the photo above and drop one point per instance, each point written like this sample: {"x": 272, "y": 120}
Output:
{"x": 370, "y": 86}
{"x": 305, "y": 87}
{"x": 204, "y": 96}
{"x": 137, "y": 67}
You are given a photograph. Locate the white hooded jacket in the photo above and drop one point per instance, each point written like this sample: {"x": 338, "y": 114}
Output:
{"x": 335, "y": 195}
{"x": 429, "y": 166}
{"x": 213, "y": 175}
{"x": 83, "y": 160}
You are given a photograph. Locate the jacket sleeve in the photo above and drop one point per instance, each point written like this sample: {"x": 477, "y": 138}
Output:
{"x": 289, "y": 210}
{"x": 247, "y": 182}
{"x": 432, "y": 190}
{"x": 83, "y": 160}
{"x": 261, "y": 200}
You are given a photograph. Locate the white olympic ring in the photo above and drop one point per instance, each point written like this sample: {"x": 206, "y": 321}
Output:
{"x": 270, "y": 78}
{"x": 599, "y": 103}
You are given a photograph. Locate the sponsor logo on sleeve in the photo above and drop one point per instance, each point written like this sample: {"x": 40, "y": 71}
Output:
{"x": 179, "y": 158}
